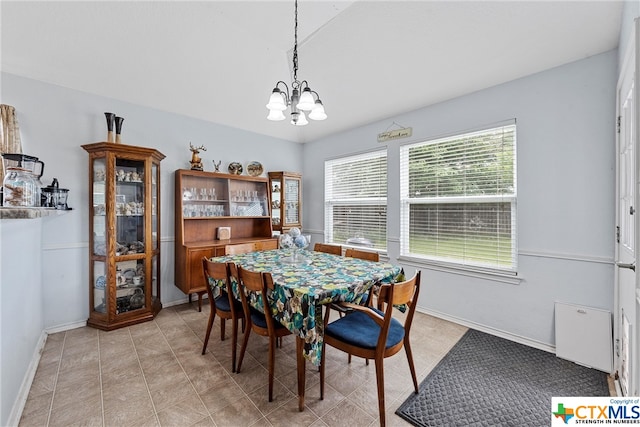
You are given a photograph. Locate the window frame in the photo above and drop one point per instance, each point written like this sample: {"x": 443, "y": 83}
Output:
{"x": 406, "y": 202}
{"x": 381, "y": 155}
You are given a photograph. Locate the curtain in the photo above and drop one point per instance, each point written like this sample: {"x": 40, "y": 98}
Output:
{"x": 9, "y": 133}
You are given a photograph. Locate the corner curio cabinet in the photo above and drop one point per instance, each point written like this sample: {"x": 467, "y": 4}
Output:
{"x": 124, "y": 234}
{"x": 286, "y": 200}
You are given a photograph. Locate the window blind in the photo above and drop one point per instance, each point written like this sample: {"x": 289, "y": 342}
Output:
{"x": 356, "y": 200}
{"x": 458, "y": 199}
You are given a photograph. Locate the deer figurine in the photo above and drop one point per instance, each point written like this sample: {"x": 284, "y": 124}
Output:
{"x": 196, "y": 161}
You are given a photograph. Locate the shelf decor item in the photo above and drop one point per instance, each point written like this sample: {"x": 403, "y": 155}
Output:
{"x": 223, "y": 233}
{"x": 255, "y": 169}
{"x": 196, "y": 161}
{"x": 119, "y": 121}
{"x": 235, "y": 168}
{"x": 124, "y": 234}
{"x": 111, "y": 119}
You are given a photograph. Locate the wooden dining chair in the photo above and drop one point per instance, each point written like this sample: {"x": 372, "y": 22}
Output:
{"x": 254, "y": 283}
{"x": 224, "y": 305}
{"x": 375, "y": 334}
{"x": 239, "y": 248}
{"x": 328, "y": 249}
{"x": 366, "y": 255}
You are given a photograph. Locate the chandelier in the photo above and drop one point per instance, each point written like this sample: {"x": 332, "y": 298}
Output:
{"x": 280, "y": 99}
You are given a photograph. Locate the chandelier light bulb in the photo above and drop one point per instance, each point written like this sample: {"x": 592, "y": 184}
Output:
{"x": 299, "y": 119}
{"x": 276, "y": 115}
{"x": 276, "y": 101}
{"x": 318, "y": 111}
{"x": 306, "y": 102}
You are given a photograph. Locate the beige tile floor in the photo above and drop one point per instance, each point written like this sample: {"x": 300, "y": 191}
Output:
{"x": 153, "y": 374}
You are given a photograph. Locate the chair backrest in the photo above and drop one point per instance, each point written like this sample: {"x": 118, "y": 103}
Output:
{"x": 257, "y": 283}
{"x": 215, "y": 272}
{"x": 239, "y": 248}
{"x": 329, "y": 249}
{"x": 401, "y": 294}
{"x": 366, "y": 255}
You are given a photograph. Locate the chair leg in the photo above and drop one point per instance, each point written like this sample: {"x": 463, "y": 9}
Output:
{"x": 199, "y": 302}
{"x": 407, "y": 349}
{"x": 380, "y": 380}
{"x": 234, "y": 344}
{"x": 222, "y": 328}
{"x": 272, "y": 364}
{"x": 349, "y": 358}
{"x": 212, "y": 316}
{"x": 322, "y": 365}
{"x": 245, "y": 340}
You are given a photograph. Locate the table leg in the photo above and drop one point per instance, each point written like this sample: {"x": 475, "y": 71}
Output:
{"x": 301, "y": 372}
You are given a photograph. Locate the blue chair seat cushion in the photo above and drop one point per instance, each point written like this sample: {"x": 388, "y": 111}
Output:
{"x": 258, "y": 319}
{"x": 360, "y": 330}
{"x": 222, "y": 303}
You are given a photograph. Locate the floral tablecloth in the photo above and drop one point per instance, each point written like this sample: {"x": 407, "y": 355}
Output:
{"x": 301, "y": 288}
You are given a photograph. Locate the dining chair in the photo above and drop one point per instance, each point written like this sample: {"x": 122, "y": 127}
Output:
{"x": 224, "y": 305}
{"x": 366, "y": 255}
{"x": 252, "y": 284}
{"x": 374, "y": 333}
{"x": 329, "y": 249}
{"x": 239, "y": 248}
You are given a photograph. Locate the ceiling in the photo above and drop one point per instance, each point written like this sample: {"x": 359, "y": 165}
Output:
{"x": 368, "y": 60}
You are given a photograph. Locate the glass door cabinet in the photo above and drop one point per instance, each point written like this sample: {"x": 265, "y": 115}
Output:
{"x": 124, "y": 234}
{"x": 286, "y": 200}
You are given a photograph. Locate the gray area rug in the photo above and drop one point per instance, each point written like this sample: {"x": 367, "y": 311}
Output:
{"x": 485, "y": 380}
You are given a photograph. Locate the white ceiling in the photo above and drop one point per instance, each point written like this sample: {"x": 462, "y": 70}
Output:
{"x": 368, "y": 60}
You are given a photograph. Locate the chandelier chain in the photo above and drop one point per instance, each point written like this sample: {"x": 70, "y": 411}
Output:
{"x": 295, "y": 46}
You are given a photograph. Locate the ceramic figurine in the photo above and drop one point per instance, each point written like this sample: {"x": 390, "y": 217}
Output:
{"x": 216, "y": 165}
{"x": 196, "y": 161}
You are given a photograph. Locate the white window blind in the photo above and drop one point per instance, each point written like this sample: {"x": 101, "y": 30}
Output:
{"x": 356, "y": 200}
{"x": 458, "y": 199}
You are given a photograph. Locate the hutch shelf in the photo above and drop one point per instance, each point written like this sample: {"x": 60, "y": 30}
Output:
{"x": 213, "y": 210}
{"x": 124, "y": 234}
{"x": 286, "y": 200}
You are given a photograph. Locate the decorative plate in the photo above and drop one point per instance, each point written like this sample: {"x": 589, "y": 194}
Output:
{"x": 235, "y": 168}
{"x": 128, "y": 274}
{"x": 255, "y": 169}
{"x": 101, "y": 282}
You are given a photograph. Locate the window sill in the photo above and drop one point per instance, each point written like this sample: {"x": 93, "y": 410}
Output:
{"x": 494, "y": 276}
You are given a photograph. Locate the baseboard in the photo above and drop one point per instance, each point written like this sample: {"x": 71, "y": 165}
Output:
{"x": 23, "y": 393}
{"x": 65, "y": 327}
{"x": 182, "y": 301}
{"x": 489, "y": 330}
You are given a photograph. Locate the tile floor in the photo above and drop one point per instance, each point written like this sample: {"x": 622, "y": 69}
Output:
{"x": 153, "y": 374}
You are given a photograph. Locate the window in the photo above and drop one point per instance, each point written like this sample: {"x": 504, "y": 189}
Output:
{"x": 356, "y": 200}
{"x": 458, "y": 199}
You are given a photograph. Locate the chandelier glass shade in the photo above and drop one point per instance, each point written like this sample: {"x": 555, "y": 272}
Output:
{"x": 299, "y": 103}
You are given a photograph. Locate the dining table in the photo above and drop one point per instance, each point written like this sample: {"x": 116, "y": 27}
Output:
{"x": 304, "y": 281}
